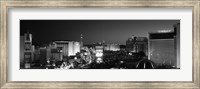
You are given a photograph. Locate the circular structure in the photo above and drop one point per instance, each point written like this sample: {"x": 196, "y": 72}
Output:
{"x": 145, "y": 64}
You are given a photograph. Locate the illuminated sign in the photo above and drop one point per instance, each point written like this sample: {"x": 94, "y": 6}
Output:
{"x": 164, "y": 31}
{"x": 99, "y": 54}
{"x": 99, "y": 60}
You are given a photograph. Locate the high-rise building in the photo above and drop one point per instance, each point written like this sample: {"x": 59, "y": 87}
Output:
{"x": 81, "y": 41}
{"x": 22, "y": 43}
{"x": 57, "y": 53}
{"x": 177, "y": 40}
{"x": 43, "y": 56}
{"x": 28, "y": 50}
{"x": 50, "y": 53}
{"x": 64, "y": 45}
{"x": 130, "y": 43}
{"x": 74, "y": 47}
{"x": 164, "y": 47}
{"x": 69, "y": 48}
{"x": 137, "y": 44}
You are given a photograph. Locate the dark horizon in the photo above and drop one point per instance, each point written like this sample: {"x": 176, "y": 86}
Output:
{"x": 111, "y": 31}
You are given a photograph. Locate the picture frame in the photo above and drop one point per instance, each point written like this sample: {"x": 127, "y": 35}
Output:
{"x": 4, "y": 44}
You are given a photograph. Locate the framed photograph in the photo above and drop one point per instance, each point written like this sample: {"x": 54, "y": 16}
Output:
{"x": 99, "y": 44}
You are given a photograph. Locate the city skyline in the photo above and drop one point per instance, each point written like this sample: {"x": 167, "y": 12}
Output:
{"x": 110, "y": 31}
{"x": 58, "y": 44}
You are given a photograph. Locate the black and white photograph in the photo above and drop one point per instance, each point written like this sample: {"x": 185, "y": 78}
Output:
{"x": 99, "y": 44}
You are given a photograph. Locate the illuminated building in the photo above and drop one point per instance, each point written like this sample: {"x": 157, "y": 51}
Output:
{"x": 130, "y": 43}
{"x": 28, "y": 50}
{"x": 99, "y": 53}
{"x": 22, "y": 43}
{"x": 56, "y": 53}
{"x": 64, "y": 45}
{"x": 43, "y": 56}
{"x": 112, "y": 47}
{"x": 137, "y": 44}
{"x": 164, "y": 47}
{"x": 69, "y": 48}
{"x": 49, "y": 54}
{"x": 46, "y": 53}
{"x": 141, "y": 45}
{"x": 74, "y": 47}
{"x": 123, "y": 47}
{"x": 33, "y": 51}
{"x": 177, "y": 40}
{"x": 81, "y": 42}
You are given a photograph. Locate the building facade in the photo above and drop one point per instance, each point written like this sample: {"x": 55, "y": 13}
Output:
{"x": 22, "y": 43}
{"x": 164, "y": 47}
{"x": 64, "y": 45}
{"x": 57, "y": 53}
{"x": 137, "y": 44}
{"x": 28, "y": 50}
{"x": 43, "y": 56}
{"x": 69, "y": 48}
{"x": 112, "y": 47}
{"x": 177, "y": 40}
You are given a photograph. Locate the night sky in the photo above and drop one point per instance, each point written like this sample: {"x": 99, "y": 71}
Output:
{"x": 112, "y": 31}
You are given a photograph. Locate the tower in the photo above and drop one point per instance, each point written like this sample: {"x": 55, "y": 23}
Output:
{"x": 81, "y": 41}
{"x": 28, "y": 54}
